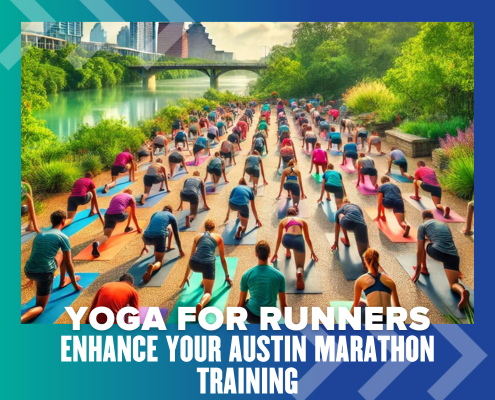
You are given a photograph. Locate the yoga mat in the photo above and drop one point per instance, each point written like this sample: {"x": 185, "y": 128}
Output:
{"x": 367, "y": 189}
{"x": 329, "y": 208}
{"x": 209, "y": 187}
{"x": 399, "y": 178}
{"x": 308, "y": 153}
{"x": 196, "y": 225}
{"x": 436, "y": 286}
{"x": 427, "y": 204}
{"x": 144, "y": 167}
{"x": 391, "y": 228}
{"x": 154, "y": 198}
{"x": 59, "y": 299}
{"x": 261, "y": 186}
{"x": 334, "y": 151}
{"x": 284, "y": 204}
{"x": 179, "y": 174}
{"x": 201, "y": 161}
{"x": 191, "y": 295}
{"x": 348, "y": 257}
{"x": 348, "y": 167}
{"x": 249, "y": 238}
{"x": 318, "y": 178}
{"x": 81, "y": 221}
{"x": 122, "y": 183}
{"x": 141, "y": 265}
{"x": 112, "y": 246}
{"x": 27, "y": 237}
{"x": 143, "y": 312}
{"x": 337, "y": 304}
{"x": 311, "y": 280}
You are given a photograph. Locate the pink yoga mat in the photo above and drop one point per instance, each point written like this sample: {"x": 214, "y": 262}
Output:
{"x": 367, "y": 189}
{"x": 143, "y": 312}
{"x": 201, "y": 160}
{"x": 427, "y": 204}
{"x": 348, "y": 167}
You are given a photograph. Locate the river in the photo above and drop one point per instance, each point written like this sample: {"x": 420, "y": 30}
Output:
{"x": 69, "y": 110}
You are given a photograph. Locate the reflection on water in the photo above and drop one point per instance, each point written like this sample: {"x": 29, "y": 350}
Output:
{"x": 69, "y": 110}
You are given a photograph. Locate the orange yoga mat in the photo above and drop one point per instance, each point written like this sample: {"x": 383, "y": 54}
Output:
{"x": 112, "y": 246}
{"x": 391, "y": 227}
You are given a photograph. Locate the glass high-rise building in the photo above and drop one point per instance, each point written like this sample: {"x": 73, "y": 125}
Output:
{"x": 70, "y": 31}
{"x": 123, "y": 38}
{"x": 143, "y": 36}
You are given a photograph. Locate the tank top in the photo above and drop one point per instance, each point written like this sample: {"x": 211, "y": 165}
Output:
{"x": 367, "y": 162}
{"x": 205, "y": 249}
{"x": 152, "y": 171}
{"x": 216, "y": 163}
{"x": 292, "y": 177}
{"x": 201, "y": 142}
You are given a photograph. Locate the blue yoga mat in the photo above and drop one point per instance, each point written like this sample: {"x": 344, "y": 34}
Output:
{"x": 196, "y": 225}
{"x": 191, "y": 295}
{"x": 179, "y": 174}
{"x": 122, "y": 184}
{"x": 27, "y": 237}
{"x": 348, "y": 257}
{"x": 59, "y": 299}
{"x": 154, "y": 198}
{"x": 249, "y": 238}
{"x": 399, "y": 178}
{"x": 284, "y": 204}
{"x": 329, "y": 208}
{"x": 141, "y": 265}
{"x": 81, "y": 221}
{"x": 288, "y": 268}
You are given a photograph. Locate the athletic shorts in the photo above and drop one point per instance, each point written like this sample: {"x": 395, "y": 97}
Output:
{"x": 160, "y": 243}
{"x": 338, "y": 191}
{"x": 243, "y": 210}
{"x": 351, "y": 154}
{"x": 401, "y": 164}
{"x": 253, "y": 171}
{"x": 259, "y": 149}
{"x": 117, "y": 170}
{"x": 287, "y": 158}
{"x": 176, "y": 158}
{"x": 233, "y": 138}
{"x": 370, "y": 171}
{"x": 142, "y": 154}
{"x": 449, "y": 261}
{"x": 311, "y": 141}
{"x": 215, "y": 171}
{"x": 294, "y": 242}
{"x": 111, "y": 220}
{"x": 212, "y": 136}
{"x": 397, "y": 205}
{"x": 251, "y": 317}
{"x": 150, "y": 180}
{"x": 336, "y": 141}
{"x": 363, "y": 135}
{"x": 225, "y": 155}
{"x": 435, "y": 191}
{"x": 75, "y": 201}
{"x": 189, "y": 197}
{"x": 197, "y": 149}
{"x": 207, "y": 269}
{"x": 44, "y": 282}
{"x": 293, "y": 187}
{"x": 158, "y": 146}
{"x": 320, "y": 164}
{"x": 375, "y": 141}
{"x": 360, "y": 230}
{"x": 177, "y": 141}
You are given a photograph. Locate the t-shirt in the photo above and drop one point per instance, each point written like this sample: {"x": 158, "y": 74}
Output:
{"x": 427, "y": 175}
{"x": 284, "y": 128}
{"x": 397, "y": 155}
{"x": 253, "y": 162}
{"x": 82, "y": 187}
{"x": 319, "y": 156}
{"x": 263, "y": 126}
{"x": 213, "y": 130}
{"x": 159, "y": 140}
{"x": 45, "y": 247}
{"x": 324, "y": 125}
{"x": 352, "y": 212}
{"x": 216, "y": 163}
{"x": 440, "y": 236}
{"x": 123, "y": 159}
{"x": 221, "y": 127}
{"x": 201, "y": 142}
{"x": 264, "y": 283}
{"x": 159, "y": 223}
{"x": 390, "y": 191}
{"x": 333, "y": 178}
{"x": 241, "y": 195}
{"x": 259, "y": 142}
{"x": 193, "y": 185}
{"x": 286, "y": 142}
{"x": 351, "y": 148}
{"x": 244, "y": 127}
{"x": 180, "y": 136}
{"x": 336, "y": 136}
{"x": 115, "y": 296}
{"x": 120, "y": 203}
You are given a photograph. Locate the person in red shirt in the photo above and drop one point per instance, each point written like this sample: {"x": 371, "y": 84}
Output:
{"x": 427, "y": 179}
{"x": 244, "y": 129}
{"x": 123, "y": 162}
{"x": 84, "y": 191}
{"x": 115, "y": 296}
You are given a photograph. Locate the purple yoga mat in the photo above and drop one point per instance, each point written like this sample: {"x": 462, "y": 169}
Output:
{"x": 143, "y": 312}
{"x": 348, "y": 167}
{"x": 367, "y": 189}
{"x": 201, "y": 160}
{"x": 427, "y": 204}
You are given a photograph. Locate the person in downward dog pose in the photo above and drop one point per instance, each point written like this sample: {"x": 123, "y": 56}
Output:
{"x": 390, "y": 196}
{"x": 292, "y": 182}
{"x": 240, "y": 199}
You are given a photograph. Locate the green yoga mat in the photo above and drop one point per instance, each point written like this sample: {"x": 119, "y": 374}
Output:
{"x": 318, "y": 177}
{"x": 337, "y": 304}
{"x": 191, "y": 295}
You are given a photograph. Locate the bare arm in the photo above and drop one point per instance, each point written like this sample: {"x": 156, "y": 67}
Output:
{"x": 283, "y": 303}
{"x": 221, "y": 250}
{"x": 358, "y": 291}
{"x": 262, "y": 171}
{"x": 308, "y": 240}
{"x": 279, "y": 240}
{"x": 242, "y": 299}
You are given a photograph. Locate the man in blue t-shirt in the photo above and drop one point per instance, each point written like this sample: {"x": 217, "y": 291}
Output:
{"x": 51, "y": 250}
{"x": 390, "y": 196}
{"x": 264, "y": 284}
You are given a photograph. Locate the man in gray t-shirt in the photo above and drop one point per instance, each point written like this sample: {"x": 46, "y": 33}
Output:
{"x": 441, "y": 248}
{"x": 194, "y": 188}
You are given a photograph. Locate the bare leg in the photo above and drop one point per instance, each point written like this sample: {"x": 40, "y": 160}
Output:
{"x": 194, "y": 212}
{"x": 242, "y": 227}
{"x": 300, "y": 259}
{"x": 416, "y": 191}
{"x": 208, "y": 290}
{"x": 147, "y": 190}
{"x": 111, "y": 185}
{"x": 469, "y": 220}
{"x": 453, "y": 277}
{"x": 107, "y": 233}
{"x": 402, "y": 222}
{"x": 444, "y": 209}
{"x": 154, "y": 267}
{"x": 36, "y": 311}
{"x": 172, "y": 167}
{"x": 70, "y": 217}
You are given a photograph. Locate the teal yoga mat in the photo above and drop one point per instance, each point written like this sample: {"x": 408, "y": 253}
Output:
{"x": 318, "y": 178}
{"x": 436, "y": 285}
{"x": 59, "y": 299}
{"x": 141, "y": 265}
{"x": 191, "y": 295}
{"x": 26, "y": 237}
{"x": 399, "y": 178}
{"x": 122, "y": 184}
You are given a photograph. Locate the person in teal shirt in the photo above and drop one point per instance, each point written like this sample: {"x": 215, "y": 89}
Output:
{"x": 264, "y": 284}
{"x": 222, "y": 127}
{"x": 333, "y": 183}
{"x": 51, "y": 250}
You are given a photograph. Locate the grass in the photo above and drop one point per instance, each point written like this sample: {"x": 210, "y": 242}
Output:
{"x": 456, "y": 321}
{"x": 372, "y": 97}
{"x": 459, "y": 178}
{"x": 434, "y": 129}
{"x": 91, "y": 163}
{"x": 55, "y": 177}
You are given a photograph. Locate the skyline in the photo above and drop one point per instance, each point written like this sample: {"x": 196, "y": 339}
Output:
{"x": 246, "y": 40}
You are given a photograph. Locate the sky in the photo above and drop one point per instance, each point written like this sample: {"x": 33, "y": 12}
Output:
{"x": 245, "y": 39}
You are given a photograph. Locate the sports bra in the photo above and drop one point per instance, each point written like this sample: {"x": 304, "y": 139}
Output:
{"x": 292, "y": 223}
{"x": 292, "y": 177}
{"x": 378, "y": 286}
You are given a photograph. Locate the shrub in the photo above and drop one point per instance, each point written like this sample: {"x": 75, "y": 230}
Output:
{"x": 464, "y": 140}
{"x": 55, "y": 177}
{"x": 91, "y": 163}
{"x": 372, "y": 97}
{"x": 459, "y": 179}
{"x": 434, "y": 129}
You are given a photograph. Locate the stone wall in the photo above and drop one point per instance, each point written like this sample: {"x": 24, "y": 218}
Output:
{"x": 411, "y": 145}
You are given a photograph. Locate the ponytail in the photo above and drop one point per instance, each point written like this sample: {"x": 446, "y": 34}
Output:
{"x": 372, "y": 260}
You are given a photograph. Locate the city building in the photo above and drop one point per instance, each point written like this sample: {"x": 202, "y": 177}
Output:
{"x": 172, "y": 39}
{"x": 143, "y": 36}
{"x": 201, "y": 46}
{"x": 42, "y": 41}
{"x": 98, "y": 34}
{"x": 72, "y": 32}
{"x": 123, "y": 38}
